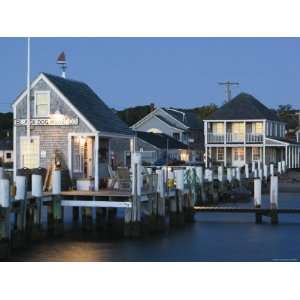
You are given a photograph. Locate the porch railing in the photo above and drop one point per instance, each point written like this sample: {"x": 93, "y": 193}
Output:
{"x": 254, "y": 138}
{"x": 213, "y": 138}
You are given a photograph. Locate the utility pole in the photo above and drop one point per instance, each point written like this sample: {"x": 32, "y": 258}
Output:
{"x": 228, "y": 85}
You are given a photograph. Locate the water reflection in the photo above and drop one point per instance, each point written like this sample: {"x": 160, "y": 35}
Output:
{"x": 213, "y": 237}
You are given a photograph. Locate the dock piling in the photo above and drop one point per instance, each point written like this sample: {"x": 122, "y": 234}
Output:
{"x": 257, "y": 199}
{"x": 18, "y": 234}
{"x": 274, "y": 199}
{"x": 57, "y": 209}
{"x": 5, "y": 229}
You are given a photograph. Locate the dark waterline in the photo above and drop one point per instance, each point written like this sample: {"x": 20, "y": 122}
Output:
{"x": 213, "y": 237}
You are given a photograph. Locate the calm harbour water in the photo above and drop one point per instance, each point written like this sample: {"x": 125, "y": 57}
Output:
{"x": 213, "y": 237}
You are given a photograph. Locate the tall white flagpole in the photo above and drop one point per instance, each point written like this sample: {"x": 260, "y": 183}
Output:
{"x": 28, "y": 87}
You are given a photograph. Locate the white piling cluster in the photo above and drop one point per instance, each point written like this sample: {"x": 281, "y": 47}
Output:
{"x": 279, "y": 168}
{"x": 229, "y": 174}
{"x": 56, "y": 182}
{"x": 265, "y": 172}
{"x": 20, "y": 188}
{"x": 4, "y": 193}
{"x": 247, "y": 171}
{"x": 274, "y": 192}
{"x": 37, "y": 185}
{"x": 220, "y": 173}
{"x": 137, "y": 178}
{"x": 272, "y": 170}
{"x": 257, "y": 192}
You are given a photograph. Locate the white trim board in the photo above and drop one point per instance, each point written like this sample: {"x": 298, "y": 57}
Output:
{"x": 83, "y": 203}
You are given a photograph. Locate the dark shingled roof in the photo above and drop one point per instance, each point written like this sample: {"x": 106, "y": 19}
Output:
{"x": 189, "y": 118}
{"x": 90, "y": 105}
{"x": 167, "y": 121}
{"x": 242, "y": 107}
{"x": 6, "y": 144}
{"x": 159, "y": 140}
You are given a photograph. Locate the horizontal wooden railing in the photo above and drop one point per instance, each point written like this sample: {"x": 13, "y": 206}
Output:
{"x": 213, "y": 138}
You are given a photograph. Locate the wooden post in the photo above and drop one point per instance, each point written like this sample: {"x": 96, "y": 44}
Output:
{"x": 18, "y": 234}
{"x": 274, "y": 199}
{"x": 202, "y": 194}
{"x": 161, "y": 199}
{"x": 229, "y": 175}
{"x": 257, "y": 199}
{"x": 272, "y": 169}
{"x": 34, "y": 217}
{"x": 56, "y": 202}
{"x": 238, "y": 175}
{"x": 265, "y": 173}
{"x": 176, "y": 205}
{"x": 5, "y": 230}
{"x": 247, "y": 171}
{"x": 132, "y": 216}
{"x": 279, "y": 168}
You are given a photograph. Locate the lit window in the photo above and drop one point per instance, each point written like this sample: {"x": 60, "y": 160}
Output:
{"x": 256, "y": 153}
{"x": 218, "y": 128}
{"x": 220, "y": 154}
{"x": 42, "y": 100}
{"x": 238, "y": 154}
{"x": 258, "y": 128}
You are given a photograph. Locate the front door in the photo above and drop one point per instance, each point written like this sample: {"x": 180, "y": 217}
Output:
{"x": 82, "y": 156}
{"x": 29, "y": 152}
{"x": 238, "y": 157}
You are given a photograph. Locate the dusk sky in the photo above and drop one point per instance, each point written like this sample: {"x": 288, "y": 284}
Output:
{"x": 178, "y": 72}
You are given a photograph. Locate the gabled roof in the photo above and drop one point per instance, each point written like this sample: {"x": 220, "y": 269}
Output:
{"x": 188, "y": 118}
{"x": 92, "y": 108}
{"x": 6, "y": 144}
{"x": 244, "y": 107}
{"x": 167, "y": 122}
{"x": 160, "y": 140}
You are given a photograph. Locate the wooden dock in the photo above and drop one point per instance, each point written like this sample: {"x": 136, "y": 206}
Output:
{"x": 263, "y": 211}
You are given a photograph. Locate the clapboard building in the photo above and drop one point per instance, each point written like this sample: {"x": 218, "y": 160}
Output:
{"x": 159, "y": 147}
{"x": 69, "y": 123}
{"x": 245, "y": 130}
{"x": 184, "y": 126}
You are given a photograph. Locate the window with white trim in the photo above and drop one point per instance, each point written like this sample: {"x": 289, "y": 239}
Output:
{"x": 220, "y": 154}
{"x": 256, "y": 153}
{"x": 218, "y": 128}
{"x": 42, "y": 103}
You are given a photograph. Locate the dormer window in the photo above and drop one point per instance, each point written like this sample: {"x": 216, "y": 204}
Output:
{"x": 42, "y": 104}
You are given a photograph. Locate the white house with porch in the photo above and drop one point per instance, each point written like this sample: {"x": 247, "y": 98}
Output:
{"x": 244, "y": 130}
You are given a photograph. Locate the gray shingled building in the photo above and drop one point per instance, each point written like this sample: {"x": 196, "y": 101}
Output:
{"x": 69, "y": 122}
